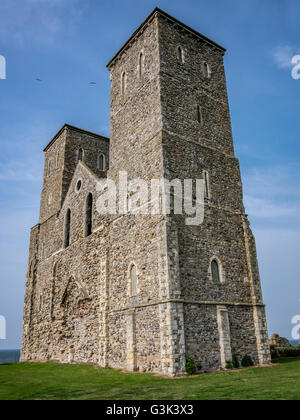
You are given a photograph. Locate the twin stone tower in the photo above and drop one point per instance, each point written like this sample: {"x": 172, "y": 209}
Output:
{"x": 144, "y": 292}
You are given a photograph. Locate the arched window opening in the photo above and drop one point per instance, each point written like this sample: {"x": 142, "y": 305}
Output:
{"x": 133, "y": 280}
{"x": 67, "y": 229}
{"x": 80, "y": 155}
{"x": 141, "y": 65}
{"x": 199, "y": 114}
{"x": 123, "y": 84}
{"x": 206, "y": 185}
{"x": 206, "y": 70}
{"x": 54, "y": 270}
{"x": 172, "y": 200}
{"x": 180, "y": 54}
{"x": 102, "y": 162}
{"x": 215, "y": 271}
{"x": 89, "y": 215}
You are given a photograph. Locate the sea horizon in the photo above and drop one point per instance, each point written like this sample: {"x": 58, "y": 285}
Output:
{"x": 9, "y": 356}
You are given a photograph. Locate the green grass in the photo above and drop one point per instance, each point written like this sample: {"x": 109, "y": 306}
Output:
{"x": 49, "y": 381}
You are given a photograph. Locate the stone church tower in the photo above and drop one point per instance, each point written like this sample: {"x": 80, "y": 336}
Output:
{"x": 144, "y": 292}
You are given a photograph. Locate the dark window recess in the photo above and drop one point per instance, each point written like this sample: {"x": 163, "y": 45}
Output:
{"x": 101, "y": 163}
{"x": 215, "y": 271}
{"x": 89, "y": 215}
{"x": 67, "y": 229}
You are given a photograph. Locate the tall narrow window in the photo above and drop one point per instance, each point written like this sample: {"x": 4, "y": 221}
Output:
{"x": 206, "y": 70}
{"x": 141, "y": 65}
{"x": 67, "y": 229}
{"x": 89, "y": 215}
{"x": 180, "y": 54}
{"x": 123, "y": 84}
{"x": 199, "y": 114}
{"x": 206, "y": 185}
{"x": 133, "y": 280}
{"x": 80, "y": 154}
{"x": 215, "y": 271}
{"x": 102, "y": 162}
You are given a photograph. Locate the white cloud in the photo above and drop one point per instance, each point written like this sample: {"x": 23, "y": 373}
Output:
{"x": 20, "y": 171}
{"x": 31, "y": 22}
{"x": 262, "y": 208}
{"x": 273, "y": 192}
{"x": 283, "y": 55}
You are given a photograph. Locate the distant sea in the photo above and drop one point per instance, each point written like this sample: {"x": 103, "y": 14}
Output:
{"x": 9, "y": 356}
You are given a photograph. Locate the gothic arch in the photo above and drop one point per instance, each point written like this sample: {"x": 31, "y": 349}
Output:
{"x": 216, "y": 262}
{"x": 132, "y": 276}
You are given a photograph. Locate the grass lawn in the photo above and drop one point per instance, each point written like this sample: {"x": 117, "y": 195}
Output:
{"x": 49, "y": 381}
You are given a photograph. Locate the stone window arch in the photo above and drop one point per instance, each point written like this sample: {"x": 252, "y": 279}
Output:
{"x": 67, "y": 234}
{"x": 141, "y": 65}
{"x": 80, "y": 154}
{"x": 123, "y": 83}
{"x": 216, "y": 272}
{"x": 180, "y": 54}
{"x": 133, "y": 279}
{"x": 199, "y": 114}
{"x": 206, "y": 70}
{"x": 102, "y": 162}
{"x": 89, "y": 215}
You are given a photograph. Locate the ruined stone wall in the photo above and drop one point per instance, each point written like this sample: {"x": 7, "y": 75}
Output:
{"x": 136, "y": 115}
{"x": 61, "y": 158}
{"x": 183, "y": 86}
{"x": 53, "y": 173}
{"x": 64, "y": 323}
{"x": 191, "y": 147}
{"x": 78, "y": 304}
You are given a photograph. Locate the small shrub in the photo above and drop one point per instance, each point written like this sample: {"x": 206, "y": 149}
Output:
{"x": 190, "y": 366}
{"x": 247, "y": 362}
{"x": 235, "y": 362}
{"x": 229, "y": 365}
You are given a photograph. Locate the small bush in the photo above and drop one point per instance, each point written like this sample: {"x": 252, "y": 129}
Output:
{"x": 190, "y": 366}
{"x": 229, "y": 365}
{"x": 247, "y": 362}
{"x": 235, "y": 362}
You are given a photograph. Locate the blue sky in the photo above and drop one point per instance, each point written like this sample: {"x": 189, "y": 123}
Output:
{"x": 67, "y": 44}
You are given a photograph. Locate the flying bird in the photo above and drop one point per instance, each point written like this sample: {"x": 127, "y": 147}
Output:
{"x": 92, "y": 83}
{"x": 38, "y": 79}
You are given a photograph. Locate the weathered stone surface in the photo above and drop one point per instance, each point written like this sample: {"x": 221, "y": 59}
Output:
{"x": 78, "y": 306}
{"x": 277, "y": 341}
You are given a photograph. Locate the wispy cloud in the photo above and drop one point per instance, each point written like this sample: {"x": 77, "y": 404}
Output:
{"x": 20, "y": 171}
{"x": 273, "y": 192}
{"x": 283, "y": 54}
{"x": 30, "y": 22}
